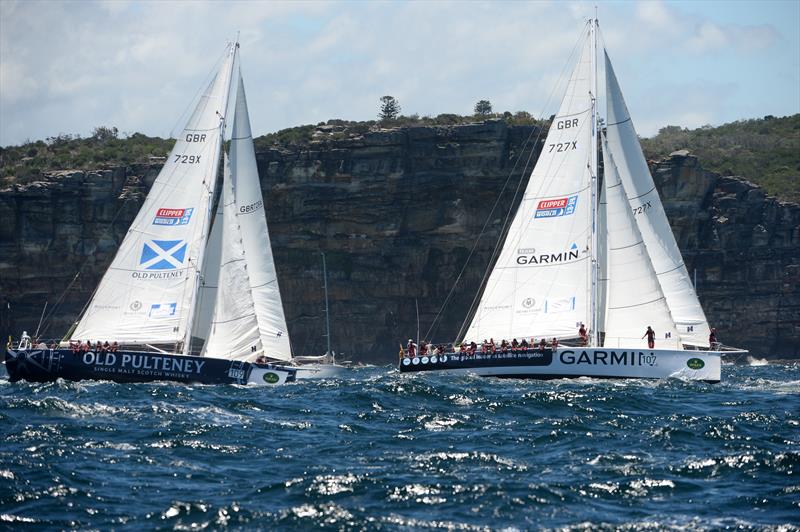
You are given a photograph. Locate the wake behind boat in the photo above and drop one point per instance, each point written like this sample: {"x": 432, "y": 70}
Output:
{"x": 183, "y": 276}
{"x": 575, "y": 253}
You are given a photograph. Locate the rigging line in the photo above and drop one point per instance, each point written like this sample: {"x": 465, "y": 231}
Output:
{"x": 505, "y": 228}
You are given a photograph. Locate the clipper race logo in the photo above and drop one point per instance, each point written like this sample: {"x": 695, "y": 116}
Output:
{"x": 556, "y": 207}
{"x": 163, "y": 254}
{"x": 173, "y": 216}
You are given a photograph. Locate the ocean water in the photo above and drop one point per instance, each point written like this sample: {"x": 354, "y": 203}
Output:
{"x": 389, "y": 452}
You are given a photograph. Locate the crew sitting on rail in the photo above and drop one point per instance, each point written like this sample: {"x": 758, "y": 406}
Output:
{"x": 523, "y": 345}
{"x": 473, "y": 348}
{"x": 261, "y": 359}
{"x": 712, "y": 339}
{"x": 74, "y": 346}
{"x": 411, "y": 348}
{"x": 555, "y": 344}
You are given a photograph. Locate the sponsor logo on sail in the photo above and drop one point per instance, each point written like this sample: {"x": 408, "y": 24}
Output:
{"x": 695, "y": 363}
{"x": 163, "y": 254}
{"x": 162, "y": 310}
{"x": 528, "y": 302}
{"x": 173, "y": 216}
{"x": 270, "y": 377}
{"x": 135, "y": 305}
{"x": 553, "y": 208}
{"x": 550, "y": 258}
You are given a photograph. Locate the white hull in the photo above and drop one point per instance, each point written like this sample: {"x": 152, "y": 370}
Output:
{"x": 320, "y": 371}
{"x": 596, "y": 362}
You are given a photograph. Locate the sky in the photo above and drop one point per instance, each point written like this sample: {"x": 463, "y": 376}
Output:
{"x": 70, "y": 66}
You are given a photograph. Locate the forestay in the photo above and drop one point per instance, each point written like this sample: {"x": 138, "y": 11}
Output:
{"x": 255, "y": 236}
{"x": 234, "y": 328}
{"x": 540, "y": 282}
{"x": 146, "y": 295}
{"x": 651, "y": 219}
{"x": 634, "y": 297}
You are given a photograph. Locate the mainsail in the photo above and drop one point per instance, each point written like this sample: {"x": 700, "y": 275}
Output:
{"x": 540, "y": 283}
{"x": 634, "y": 296}
{"x": 147, "y": 294}
{"x": 651, "y": 219}
{"x": 255, "y": 236}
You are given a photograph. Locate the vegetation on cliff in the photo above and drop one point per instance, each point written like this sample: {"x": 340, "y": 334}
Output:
{"x": 765, "y": 151}
{"x": 105, "y": 148}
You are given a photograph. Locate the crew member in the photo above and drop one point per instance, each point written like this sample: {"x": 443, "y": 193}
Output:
{"x": 411, "y": 348}
{"x": 583, "y": 335}
{"x": 651, "y": 337}
{"x": 555, "y": 344}
{"x": 712, "y": 338}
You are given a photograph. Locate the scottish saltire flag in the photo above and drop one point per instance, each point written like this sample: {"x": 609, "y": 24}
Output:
{"x": 163, "y": 254}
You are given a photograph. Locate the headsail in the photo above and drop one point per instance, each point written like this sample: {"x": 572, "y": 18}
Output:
{"x": 645, "y": 203}
{"x": 255, "y": 236}
{"x": 147, "y": 294}
{"x": 633, "y": 294}
{"x": 234, "y": 328}
{"x": 540, "y": 282}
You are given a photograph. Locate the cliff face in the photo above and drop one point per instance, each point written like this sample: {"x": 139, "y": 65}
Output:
{"x": 397, "y": 213}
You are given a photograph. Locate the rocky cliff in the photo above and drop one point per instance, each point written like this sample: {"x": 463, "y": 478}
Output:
{"x": 397, "y": 213}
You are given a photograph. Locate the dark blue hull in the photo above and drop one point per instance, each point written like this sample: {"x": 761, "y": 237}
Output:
{"x": 47, "y": 365}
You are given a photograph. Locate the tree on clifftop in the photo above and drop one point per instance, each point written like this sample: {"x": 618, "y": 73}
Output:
{"x": 390, "y": 108}
{"x": 483, "y": 107}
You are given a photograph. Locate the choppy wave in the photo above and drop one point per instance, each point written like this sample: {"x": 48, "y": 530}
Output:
{"x": 382, "y": 450}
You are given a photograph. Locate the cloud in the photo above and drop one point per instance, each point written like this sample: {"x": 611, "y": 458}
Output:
{"x": 69, "y": 67}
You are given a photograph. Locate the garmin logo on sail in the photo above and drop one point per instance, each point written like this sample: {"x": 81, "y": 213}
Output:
{"x": 133, "y": 363}
{"x": 173, "y": 216}
{"x": 162, "y": 259}
{"x": 609, "y": 358}
{"x": 549, "y": 258}
{"x": 553, "y": 208}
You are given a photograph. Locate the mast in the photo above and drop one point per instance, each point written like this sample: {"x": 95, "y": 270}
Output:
{"x": 327, "y": 310}
{"x": 593, "y": 171}
{"x": 207, "y": 226}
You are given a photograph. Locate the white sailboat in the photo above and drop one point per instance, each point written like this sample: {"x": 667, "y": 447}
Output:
{"x": 175, "y": 277}
{"x": 322, "y": 366}
{"x": 576, "y": 253}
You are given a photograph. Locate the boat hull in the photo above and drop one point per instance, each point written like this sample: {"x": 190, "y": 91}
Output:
{"x": 46, "y": 365}
{"x": 576, "y": 362}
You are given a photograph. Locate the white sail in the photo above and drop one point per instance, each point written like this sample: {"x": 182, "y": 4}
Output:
{"x": 209, "y": 278}
{"x": 633, "y": 294}
{"x": 146, "y": 295}
{"x": 648, "y": 211}
{"x": 255, "y": 236}
{"x": 540, "y": 283}
{"x": 234, "y": 329}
